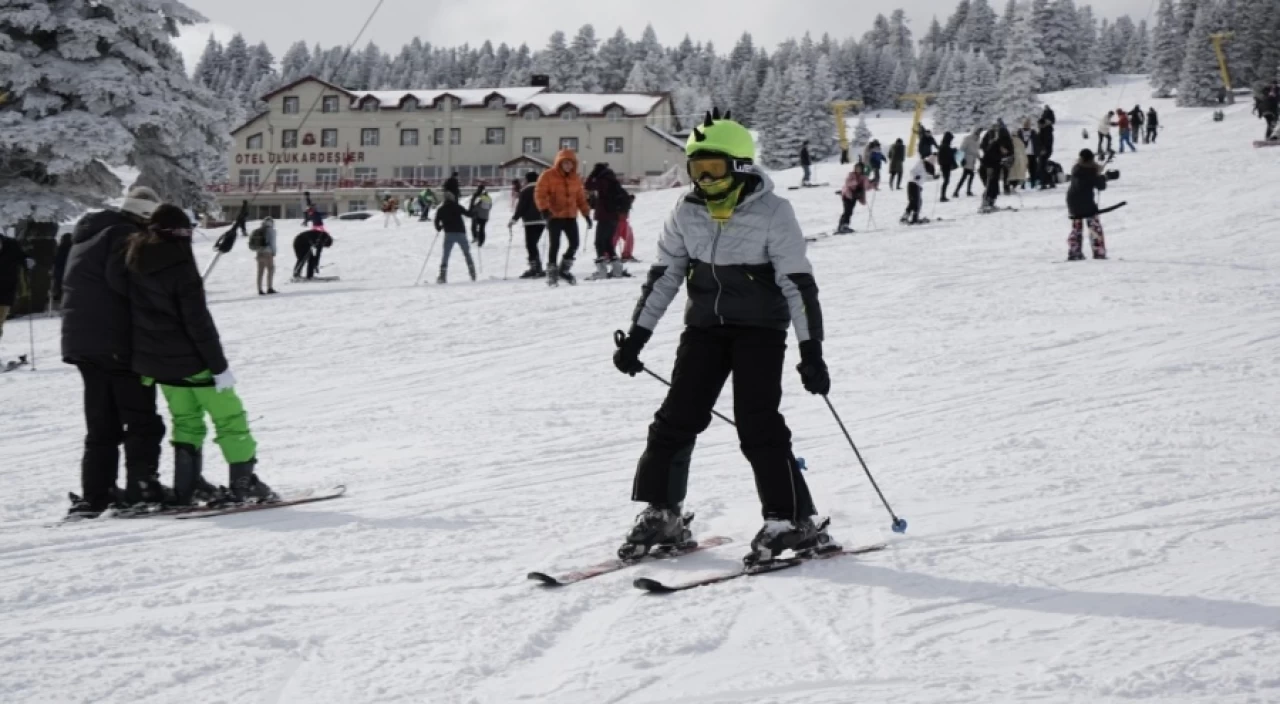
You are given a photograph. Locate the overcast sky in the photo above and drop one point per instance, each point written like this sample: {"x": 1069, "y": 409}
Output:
{"x": 449, "y": 22}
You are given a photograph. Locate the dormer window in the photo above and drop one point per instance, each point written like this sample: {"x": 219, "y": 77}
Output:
{"x": 410, "y": 104}
{"x": 447, "y": 103}
{"x": 614, "y": 114}
{"x": 496, "y": 103}
{"x": 569, "y": 113}
{"x": 531, "y": 113}
{"x": 369, "y": 104}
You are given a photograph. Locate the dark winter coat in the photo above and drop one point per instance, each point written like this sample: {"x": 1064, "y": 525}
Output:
{"x": 1271, "y": 104}
{"x": 173, "y": 333}
{"x": 928, "y": 145}
{"x": 1048, "y": 116}
{"x": 1085, "y": 179}
{"x": 947, "y": 153}
{"x": 13, "y": 260}
{"x": 305, "y": 244}
{"x": 449, "y": 217}
{"x": 527, "y": 206}
{"x": 451, "y": 186}
{"x": 96, "y": 322}
{"x": 612, "y": 200}
{"x": 1153, "y": 120}
{"x": 1044, "y": 141}
{"x": 60, "y": 265}
{"x": 897, "y": 155}
{"x": 804, "y": 156}
{"x": 997, "y": 145}
{"x": 1136, "y": 118}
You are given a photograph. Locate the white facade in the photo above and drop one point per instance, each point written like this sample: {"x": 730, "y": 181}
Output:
{"x": 346, "y": 148}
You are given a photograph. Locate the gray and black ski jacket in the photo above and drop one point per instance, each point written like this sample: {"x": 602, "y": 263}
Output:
{"x": 751, "y": 271}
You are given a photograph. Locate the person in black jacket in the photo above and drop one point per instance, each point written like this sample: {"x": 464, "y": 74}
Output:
{"x": 1048, "y": 116}
{"x": 13, "y": 263}
{"x": 451, "y": 185}
{"x": 176, "y": 345}
{"x": 527, "y": 210}
{"x": 805, "y": 162}
{"x": 1044, "y": 152}
{"x": 997, "y": 151}
{"x": 897, "y": 157}
{"x": 97, "y": 340}
{"x": 612, "y": 203}
{"x": 307, "y": 247}
{"x": 1153, "y": 125}
{"x": 928, "y": 145}
{"x": 947, "y": 162}
{"x": 449, "y": 221}
{"x": 1086, "y": 177}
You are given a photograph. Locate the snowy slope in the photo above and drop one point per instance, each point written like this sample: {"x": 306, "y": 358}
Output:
{"x": 1086, "y": 453}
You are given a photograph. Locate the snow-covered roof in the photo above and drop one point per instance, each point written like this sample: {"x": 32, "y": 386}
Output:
{"x": 468, "y": 97}
{"x": 632, "y": 104}
{"x": 666, "y": 137}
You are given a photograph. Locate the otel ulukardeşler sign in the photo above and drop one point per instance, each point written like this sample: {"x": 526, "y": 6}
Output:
{"x": 347, "y": 157}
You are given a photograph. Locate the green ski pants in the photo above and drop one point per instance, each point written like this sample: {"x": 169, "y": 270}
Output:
{"x": 188, "y": 405}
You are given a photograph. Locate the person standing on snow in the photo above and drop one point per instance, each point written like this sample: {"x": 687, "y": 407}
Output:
{"x": 176, "y": 345}
{"x": 1044, "y": 150}
{"x": 390, "y": 211}
{"x": 262, "y": 242}
{"x": 1086, "y": 178}
{"x": 612, "y": 203}
{"x": 915, "y": 189}
{"x": 527, "y": 210}
{"x": 426, "y": 200}
{"x": 874, "y": 159}
{"x": 1269, "y": 110}
{"x": 971, "y": 149}
{"x": 897, "y": 157}
{"x": 928, "y": 145}
{"x": 14, "y": 263}
{"x": 946, "y": 162}
{"x": 1126, "y": 135}
{"x": 1104, "y": 134}
{"x": 1153, "y": 125}
{"x": 1030, "y": 143}
{"x": 481, "y": 204}
{"x": 1136, "y": 119}
{"x": 561, "y": 197}
{"x": 856, "y": 185}
{"x": 741, "y": 249}
{"x": 451, "y": 185}
{"x": 1048, "y": 116}
{"x": 805, "y": 162}
{"x": 997, "y": 150}
{"x": 96, "y": 339}
{"x": 449, "y": 221}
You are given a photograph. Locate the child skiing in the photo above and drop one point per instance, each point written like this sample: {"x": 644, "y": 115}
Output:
{"x": 856, "y": 185}
{"x": 449, "y": 220}
{"x": 740, "y": 248}
{"x": 612, "y": 203}
{"x": 915, "y": 189}
{"x": 481, "y": 204}
{"x": 1086, "y": 178}
{"x": 176, "y": 345}
{"x": 527, "y": 210}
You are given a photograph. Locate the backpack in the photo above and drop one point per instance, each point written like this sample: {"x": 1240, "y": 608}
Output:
{"x": 258, "y": 240}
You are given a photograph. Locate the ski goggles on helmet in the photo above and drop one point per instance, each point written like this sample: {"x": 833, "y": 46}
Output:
{"x": 714, "y": 167}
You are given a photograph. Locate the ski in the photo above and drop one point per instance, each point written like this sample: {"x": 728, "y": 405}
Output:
{"x": 816, "y": 237}
{"x": 811, "y": 185}
{"x": 314, "y": 279}
{"x": 308, "y": 497}
{"x": 1259, "y": 144}
{"x": 14, "y": 364}
{"x": 616, "y": 564}
{"x": 1106, "y": 210}
{"x": 653, "y": 586}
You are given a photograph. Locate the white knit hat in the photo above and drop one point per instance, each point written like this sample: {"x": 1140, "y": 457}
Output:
{"x": 141, "y": 201}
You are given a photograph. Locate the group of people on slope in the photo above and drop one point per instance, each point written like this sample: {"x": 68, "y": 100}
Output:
{"x": 134, "y": 318}
{"x": 1130, "y": 125}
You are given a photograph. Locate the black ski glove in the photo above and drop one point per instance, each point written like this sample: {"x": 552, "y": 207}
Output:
{"x": 813, "y": 371}
{"x": 627, "y": 358}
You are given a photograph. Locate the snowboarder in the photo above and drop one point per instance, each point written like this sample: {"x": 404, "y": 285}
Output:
{"x": 736, "y": 323}
{"x": 1269, "y": 110}
{"x": 262, "y": 242}
{"x": 971, "y": 149}
{"x": 527, "y": 210}
{"x": 176, "y": 345}
{"x": 1153, "y": 125}
{"x": 946, "y": 162}
{"x": 915, "y": 188}
{"x": 805, "y": 162}
{"x": 449, "y": 221}
{"x": 308, "y": 247}
{"x": 612, "y": 203}
{"x": 560, "y": 197}
{"x": 1086, "y": 177}
{"x": 897, "y": 156}
{"x": 96, "y": 325}
{"x": 14, "y": 262}
{"x": 856, "y": 185}
{"x": 478, "y": 210}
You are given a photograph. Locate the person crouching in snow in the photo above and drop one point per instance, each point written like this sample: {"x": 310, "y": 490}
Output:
{"x": 915, "y": 188}
{"x": 308, "y": 247}
{"x": 449, "y": 220}
{"x": 176, "y": 345}
{"x": 1086, "y": 178}
{"x": 856, "y": 185}
{"x": 741, "y": 250}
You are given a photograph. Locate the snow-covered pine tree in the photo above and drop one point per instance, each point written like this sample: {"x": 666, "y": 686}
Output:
{"x": 1021, "y": 74}
{"x": 1137, "y": 56}
{"x": 935, "y": 37}
{"x": 615, "y": 61}
{"x": 557, "y": 63}
{"x": 647, "y": 45}
{"x": 953, "y": 106}
{"x": 1200, "y": 84}
{"x": 981, "y": 26}
{"x": 861, "y": 138}
{"x": 1000, "y": 38}
{"x": 1124, "y": 31}
{"x": 939, "y": 77}
{"x": 236, "y": 57}
{"x": 90, "y": 85}
{"x": 983, "y": 91}
{"x": 721, "y": 85}
{"x": 768, "y": 121}
{"x": 1059, "y": 45}
{"x": 1169, "y": 46}
{"x": 211, "y": 69}
{"x": 746, "y": 93}
{"x": 822, "y": 127}
{"x": 587, "y": 66}
{"x": 294, "y": 64}
{"x": 796, "y": 125}
{"x": 900, "y": 37}
{"x": 913, "y": 83}
{"x": 744, "y": 53}
{"x": 956, "y": 30}
{"x": 898, "y": 80}
{"x": 880, "y": 35}
{"x": 845, "y": 71}
{"x": 1257, "y": 29}
{"x": 1089, "y": 71}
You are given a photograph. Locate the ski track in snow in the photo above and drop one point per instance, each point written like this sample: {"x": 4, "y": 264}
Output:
{"x": 1086, "y": 453}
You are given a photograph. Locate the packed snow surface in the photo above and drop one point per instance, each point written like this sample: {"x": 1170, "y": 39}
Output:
{"x": 1086, "y": 453}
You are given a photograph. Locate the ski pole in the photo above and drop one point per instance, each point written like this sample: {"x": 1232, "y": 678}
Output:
{"x": 426, "y": 259}
{"x": 899, "y": 524}
{"x": 619, "y": 337}
{"x": 511, "y": 236}
{"x": 31, "y": 322}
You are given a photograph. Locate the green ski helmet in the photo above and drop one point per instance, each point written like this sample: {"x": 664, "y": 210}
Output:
{"x": 721, "y": 135}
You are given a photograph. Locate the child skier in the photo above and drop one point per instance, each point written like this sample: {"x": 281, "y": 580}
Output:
{"x": 1086, "y": 178}
{"x": 527, "y": 210}
{"x": 856, "y": 185}
{"x": 915, "y": 188}
{"x": 449, "y": 220}
{"x": 175, "y": 345}
{"x": 740, "y": 248}
{"x": 481, "y": 204}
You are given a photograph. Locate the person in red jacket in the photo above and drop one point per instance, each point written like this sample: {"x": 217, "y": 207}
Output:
{"x": 1126, "y": 134}
{"x": 561, "y": 197}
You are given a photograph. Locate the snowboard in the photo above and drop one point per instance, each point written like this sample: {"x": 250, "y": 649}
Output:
{"x": 654, "y": 586}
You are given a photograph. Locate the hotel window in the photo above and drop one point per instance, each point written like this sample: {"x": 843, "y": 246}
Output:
{"x": 437, "y": 136}
{"x": 289, "y": 139}
{"x": 532, "y": 145}
{"x": 249, "y": 178}
{"x": 408, "y": 138}
{"x": 355, "y": 206}
{"x": 614, "y": 114}
{"x": 366, "y": 174}
{"x": 455, "y": 135}
{"x": 291, "y": 105}
{"x": 410, "y": 105}
{"x": 569, "y": 113}
{"x": 370, "y": 137}
{"x": 569, "y": 143}
{"x": 329, "y": 138}
{"x": 329, "y": 104}
{"x": 531, "y": 114}
{"x": 369, "y": 105}
{"x": 497, "y": 103}
{"x": 327, "y": 177}
{"x": 254, "y": 141}
{"x": 612, "y": 145}
{"x": 287, "y": 178}
{"x": 495, "y": 135}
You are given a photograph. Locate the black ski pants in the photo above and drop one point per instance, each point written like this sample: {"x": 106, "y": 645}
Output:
{"x": 561, "y": 226}
{"x": 118, "y": 409}
{"x": 946, "y": 180}
{"x": 478, "y": 231}
{"x": 966, "y": 178}
{"x": 308, "y": 257}
{"x": 991, "y": 177}
{"x": 913, "y": 202}
{"x": 895, "y": 180}
{"x": 533, "y": 233}
{"x": 704, "y": 360}
{"x": 847, "y": 215}
{"x": 606, "y": 228}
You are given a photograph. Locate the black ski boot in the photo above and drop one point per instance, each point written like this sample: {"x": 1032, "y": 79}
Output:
{"x": 443, "y": 278}
{"x": 565, "y": 275}
{"x": 804, "y": 537}
{"x": 246, "y": 488}
{"x": 189, "y": 485}
{"x": 88, "y": 508}
{"x": 144, "y": 493}
{"x": 657, "y": 529}
{"x": 535, "y": 270}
